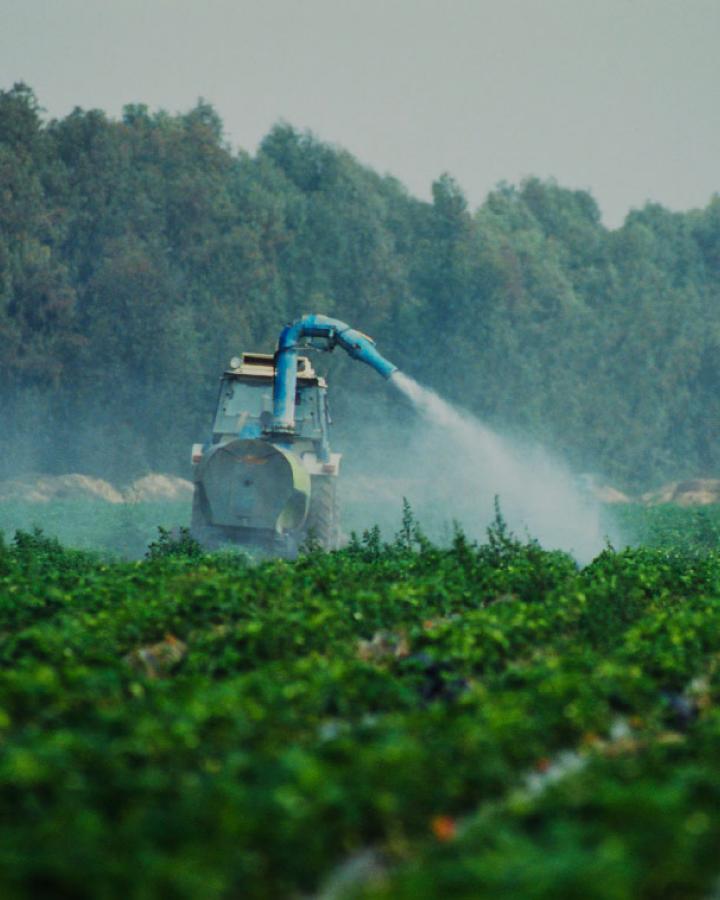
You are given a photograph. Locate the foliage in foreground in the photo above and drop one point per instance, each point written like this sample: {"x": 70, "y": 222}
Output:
{"x": 391, "y": 720}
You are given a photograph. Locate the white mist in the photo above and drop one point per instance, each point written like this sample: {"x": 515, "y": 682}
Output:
{"x": 459, "y": 465}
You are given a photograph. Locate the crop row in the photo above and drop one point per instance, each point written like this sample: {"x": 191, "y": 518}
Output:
{"x": 390, "y": 720}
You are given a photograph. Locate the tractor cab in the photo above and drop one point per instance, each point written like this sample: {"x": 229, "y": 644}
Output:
{"x": 245, "y": 401}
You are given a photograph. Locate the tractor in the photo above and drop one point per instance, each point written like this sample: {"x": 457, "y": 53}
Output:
{"x": 267, "y": 478}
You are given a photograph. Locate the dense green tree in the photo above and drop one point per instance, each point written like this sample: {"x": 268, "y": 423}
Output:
{"x": 137, "y": 255}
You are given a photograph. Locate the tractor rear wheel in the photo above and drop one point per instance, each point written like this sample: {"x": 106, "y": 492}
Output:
{"x": 323, "y": 521}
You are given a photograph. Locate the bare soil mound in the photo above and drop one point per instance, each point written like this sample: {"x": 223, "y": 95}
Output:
{"x": 159, "y": 487}
{"x": 694, "y": 492}
{"x": 607, "y": 494}
{"x": 45, "y": 488}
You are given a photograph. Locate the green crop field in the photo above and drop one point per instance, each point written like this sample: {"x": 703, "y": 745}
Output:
{"x": 392, "y": 720}
{"x": 115, "y": 530}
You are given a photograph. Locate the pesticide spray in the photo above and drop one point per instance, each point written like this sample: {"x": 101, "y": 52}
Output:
{"x": 449, "y": 465}
{"x": 462, "y": 465}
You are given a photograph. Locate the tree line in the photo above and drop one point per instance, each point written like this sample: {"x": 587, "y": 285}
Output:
{"x": 138, "y": 255}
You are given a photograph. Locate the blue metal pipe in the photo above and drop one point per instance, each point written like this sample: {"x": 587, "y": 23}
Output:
{"x": 336, "y": 333}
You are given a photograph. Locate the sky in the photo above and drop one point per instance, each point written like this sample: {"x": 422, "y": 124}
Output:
{"x": 618, "y": 97}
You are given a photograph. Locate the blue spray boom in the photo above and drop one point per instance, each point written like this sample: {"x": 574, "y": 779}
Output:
{"x": 335, "y": 334}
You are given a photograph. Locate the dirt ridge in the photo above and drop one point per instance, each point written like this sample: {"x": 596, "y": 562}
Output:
{"x": 74, "y": 486}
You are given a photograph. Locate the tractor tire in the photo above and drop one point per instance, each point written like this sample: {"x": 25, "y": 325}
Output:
{"x": 323, "y": 521}
{"x": 207, "y": 535}
{"x": 199, "y": 520}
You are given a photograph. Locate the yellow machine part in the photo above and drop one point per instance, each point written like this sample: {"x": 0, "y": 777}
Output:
{"x": 255, "y": 484}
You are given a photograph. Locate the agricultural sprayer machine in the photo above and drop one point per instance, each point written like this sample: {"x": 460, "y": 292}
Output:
{"x": 267, "y": 477}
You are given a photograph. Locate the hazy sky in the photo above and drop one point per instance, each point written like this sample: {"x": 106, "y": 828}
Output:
{"x": 621, "y": 97}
